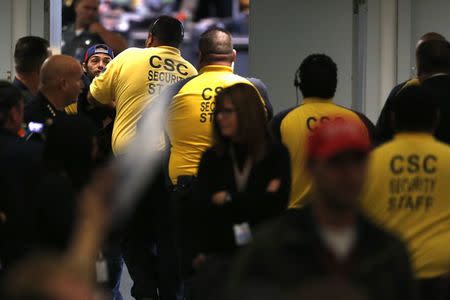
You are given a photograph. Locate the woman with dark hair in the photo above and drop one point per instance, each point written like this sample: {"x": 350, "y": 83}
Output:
{"x": 243, "y": 180}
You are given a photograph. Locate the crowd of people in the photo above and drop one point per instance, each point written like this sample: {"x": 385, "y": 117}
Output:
{"x": 315, "y": 202}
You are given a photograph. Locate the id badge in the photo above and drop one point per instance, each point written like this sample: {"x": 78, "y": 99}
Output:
{"x": 242, "y": 234}
{"x": 101, "y": 270}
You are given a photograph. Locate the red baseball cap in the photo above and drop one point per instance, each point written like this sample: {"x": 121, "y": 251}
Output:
{"x": 337, "y": 136}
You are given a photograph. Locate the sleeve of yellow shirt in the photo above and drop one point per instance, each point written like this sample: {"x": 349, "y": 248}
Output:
{"x": 72, "y": 109}
{"x": 103, "y": 87}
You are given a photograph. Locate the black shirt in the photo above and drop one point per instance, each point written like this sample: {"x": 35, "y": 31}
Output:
{"x": 253, "y": 205}
{"x": 26, "y": 93}
{"x": 439, "y": 87}
{"x": 21, "y": 166}
{"x": 40, "y": 110}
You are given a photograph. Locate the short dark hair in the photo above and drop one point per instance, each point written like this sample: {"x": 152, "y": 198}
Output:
{"x": 433, "y": 56}
{"x": 317, "y": 76}
{"x": 216, "y": 41}
{"x": 10, "y": 96}
{"x": 432, "y": 36}
{"x": 167, "y": 30}
{"x": 30, "y": 53}
{"x": 415, "y": 109}
{"x": 252, "y": 122}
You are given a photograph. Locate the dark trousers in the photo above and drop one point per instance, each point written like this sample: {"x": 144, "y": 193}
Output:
{"x": 149, "y": 247}
{"x": 434, "y": 288}
{"x": 112, "y": 254}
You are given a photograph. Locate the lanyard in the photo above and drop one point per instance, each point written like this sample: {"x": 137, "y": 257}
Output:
{"x": 241, "y": 177}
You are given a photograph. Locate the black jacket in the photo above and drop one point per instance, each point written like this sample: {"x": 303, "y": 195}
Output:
{"x": 27, "y": 96}
{"x": 384, "y": 124}
{"x": 289, "y": 252}
{"x": 439, "y": 87}
{"x": 40, "y": 110}
{"x": 254, "y": 205}
{"x": 21, "y": 166}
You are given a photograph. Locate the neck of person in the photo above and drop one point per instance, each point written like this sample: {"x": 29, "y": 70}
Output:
{"x": 30, "y": 80}
{"x": 418, "y": 131}
{"x": 80, "y": 26}
{"x": 54, "y": 98}
{"x": 330, "y": 217}
{"x": 424, "y": 76}
{"x": 218, "y": 62}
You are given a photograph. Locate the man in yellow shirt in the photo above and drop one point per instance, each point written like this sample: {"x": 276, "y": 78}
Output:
{"x": 136, "y": 76}
{"x": 191, "y": 103}
{"x": 317, "y": 80}
{"x": 190, "y": 106}
{"x": 408, "y": 189}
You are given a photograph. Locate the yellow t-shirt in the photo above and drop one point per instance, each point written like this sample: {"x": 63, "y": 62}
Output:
{"x": 293, "y": 128}
{"x": 191, "y": 111}
{"x": 408, "y": 191}
{"x": 133, "y": 79}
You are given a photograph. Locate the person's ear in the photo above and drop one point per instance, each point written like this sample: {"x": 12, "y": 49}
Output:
{"x": 84, "y": 66}
{"x": 149, "y": 41}
{"x": 234, "y": 55}
{"x": 63, "y": 83}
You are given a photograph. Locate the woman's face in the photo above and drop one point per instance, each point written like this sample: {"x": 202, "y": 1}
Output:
{"x": 227, "y": 120}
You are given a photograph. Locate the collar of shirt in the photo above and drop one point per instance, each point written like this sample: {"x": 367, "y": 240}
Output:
{"x": 170, "y": 49}
{"x": 216, "y": 68}
{"x": 414, "y": 136}
{"x": 18, "y": 83}
{"x": 51, "y": 109}
{"x": 438, "y": 75}
{"x": 316, "y": 100}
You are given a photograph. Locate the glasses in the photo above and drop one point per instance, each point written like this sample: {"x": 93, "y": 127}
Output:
{"x": 225, "y": 111}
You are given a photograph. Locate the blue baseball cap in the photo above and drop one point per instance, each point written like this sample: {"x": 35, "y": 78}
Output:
{"x": 96, "y": 49}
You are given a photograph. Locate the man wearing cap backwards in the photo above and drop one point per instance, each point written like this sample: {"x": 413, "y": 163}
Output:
{"x": 135, "y": 77}
{"x": 408, "y": 189}
{"x": 317, "y": 80}
{"x": 328, "y": 236}
{"x": 94, "y": 63}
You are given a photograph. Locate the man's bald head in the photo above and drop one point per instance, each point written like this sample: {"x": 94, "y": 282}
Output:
{"x": 61, "y": 80}
{"x": 429, "y": 36}
{"x": 216, "y": 44}
{"x": 57, "y": 67}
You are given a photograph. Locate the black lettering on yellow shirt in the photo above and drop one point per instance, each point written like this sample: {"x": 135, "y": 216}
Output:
{"x": 132, "y": 80}
{"x": 408, "y": 192}
{"x": 191, "y": 112}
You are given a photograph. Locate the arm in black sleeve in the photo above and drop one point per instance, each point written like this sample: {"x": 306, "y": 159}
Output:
{"x": 275, "y": 125}
{"x": 262, "y": 89}
{"x": 260, "y": 205}
{"x": 207, "y": 184}
{"x": 384, "y": 128}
